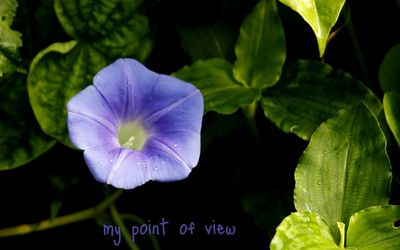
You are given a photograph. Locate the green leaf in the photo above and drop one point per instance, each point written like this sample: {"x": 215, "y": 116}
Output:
{"x": 113, "y": 27}
{"x": 389, "y": 75}
{"x": 58, "y": 73}
{"x": 344, "y": 169}
{"x": 220, "y": 90}
{"x": 309, "y": 93}
{"x": 321, "y": 15}
{"x": 260, "y": 49}
{"x": 373, "y": 228}
{"x": 10, "y": 40}
{"x": 304, "y": 230}
{"x": 207, "y": 42}
{"x": 391, "y": 107}
{"x": 104, "y": 31}
{"x": 21, "y": 137}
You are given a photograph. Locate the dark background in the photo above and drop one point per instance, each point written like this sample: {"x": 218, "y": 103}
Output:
{"x": 236, "y": 173}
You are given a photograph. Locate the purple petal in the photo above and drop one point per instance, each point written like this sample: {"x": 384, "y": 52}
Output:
{"x": 169, "y": 109}
{"x": 125, "y": 85}
{"x": 90, "y": 120}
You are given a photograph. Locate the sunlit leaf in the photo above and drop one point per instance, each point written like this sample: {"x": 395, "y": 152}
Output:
{"x": 260, "y": 49}
{"x": 21, "y": 137}
{"x": 389, "y": 74}
{"x": 303, "y": 230}
{"x": 373, "y": 228}
{"x": 344, "y": 169}
{"x": 391, "y": 106}
{"x": 321, "y": 15}
{"x": 311, "y": 92}
{"x": 220, "y": 90}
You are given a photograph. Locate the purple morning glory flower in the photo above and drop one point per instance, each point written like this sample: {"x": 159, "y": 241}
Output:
{"x": 135, "y": 125}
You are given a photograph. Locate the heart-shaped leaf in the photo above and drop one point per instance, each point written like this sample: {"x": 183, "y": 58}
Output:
{"x": 344, "y": 169}
{"x": 311, "y": 92}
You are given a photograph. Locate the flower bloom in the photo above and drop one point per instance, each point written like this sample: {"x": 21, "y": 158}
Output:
{"x": 135, "y": 125}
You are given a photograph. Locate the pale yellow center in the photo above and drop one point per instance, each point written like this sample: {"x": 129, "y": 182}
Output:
{"x": 132, "y": 135}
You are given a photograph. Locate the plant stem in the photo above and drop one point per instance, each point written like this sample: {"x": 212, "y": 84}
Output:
{"x": 249, "y": 112}
{"x": 125, "y": 233}
{"x": 138, "y": 220}
{"x": 60, "y": 221}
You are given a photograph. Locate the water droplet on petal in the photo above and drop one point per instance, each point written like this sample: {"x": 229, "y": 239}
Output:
{"x": 163, "y": 162}
{"x": 319, "y": 183}
{"x": 155, "y": 169}
{"x": 175, "y": 145}
{"x": 111, "y": 160}
{"x": 137, "y": 163}
{"x": 144, "y": 164}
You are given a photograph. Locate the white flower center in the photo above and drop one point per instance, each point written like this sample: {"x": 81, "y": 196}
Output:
{"x": 132, "y": 135}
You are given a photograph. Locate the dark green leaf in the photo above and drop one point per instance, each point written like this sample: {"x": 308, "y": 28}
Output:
{"x": 309, "y": 93}
{"x": 113, "y": 27}
{"x": 391, "y": 106}
{"x": 207, "y": 42}
{"x": 21, "y": 137}
{"x": 220, "y": 90}
{"x": 304, "y": 230}
{"x": 344, "y": 169}
{"x": 321, "y": 15}
{"x": 389, "y": 74}
{"x": 260, "y": 49}
{"x": 373, "y": 228}
{"x": 57, "y": 74}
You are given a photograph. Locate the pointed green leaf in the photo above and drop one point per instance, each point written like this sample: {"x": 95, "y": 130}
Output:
{"x": 260, "y": 49}
{"x": 57, "y": 74}
{"x": 389, "y": 74}
{"x": 304, "y": 230}
{"x": 344, "y": 169}
{"x": 220, "y": 90}
{"x": 21, "y": 137}
{"x": 321, "y": 15}
{"x": 373, "y": 228}
{"x": 391, "y": 106}
{"x": 311, "y": 92}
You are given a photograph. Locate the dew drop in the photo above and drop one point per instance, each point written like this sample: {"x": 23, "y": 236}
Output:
{"x": 175, "y": 145}
{"x": 155, "y": 169}
{"x": 111, "y": 160}
{"x": 163, "y": 162}
{"x": 144, "y": 164}
{"x": 137, "y": 163}
{"x": 319, "y": 183}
